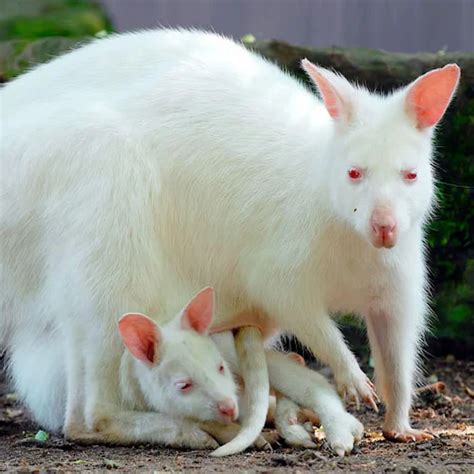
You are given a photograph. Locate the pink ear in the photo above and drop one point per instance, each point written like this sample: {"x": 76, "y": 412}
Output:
{"x": 141, "y": 336}
{"x": 429, "y": 96}
{"x": 333, "y": 90}
{"x": 198, "y": 313}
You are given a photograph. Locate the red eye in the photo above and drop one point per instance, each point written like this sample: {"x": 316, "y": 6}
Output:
{"x": 221, "y": 368}
{"x": 354, "y": 174}
{"x": 184, "y": 386}
{"x": 409, "y": 175}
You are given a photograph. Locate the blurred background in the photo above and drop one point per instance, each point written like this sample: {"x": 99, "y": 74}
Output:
{"x": 380, "y": 43}
{"x": 393, "y": 25}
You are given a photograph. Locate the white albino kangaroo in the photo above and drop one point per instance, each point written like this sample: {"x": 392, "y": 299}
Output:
{"x": 144, "y": 166}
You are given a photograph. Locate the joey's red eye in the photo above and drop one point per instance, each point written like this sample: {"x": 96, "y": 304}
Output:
{"x": 184, "y": 386}
{"x": 221, "y": 368}
{"x": 409, "y": 175}
{"x": 354, "y": 174}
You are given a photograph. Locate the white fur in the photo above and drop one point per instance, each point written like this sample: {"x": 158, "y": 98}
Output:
{"x": 253, "y": 368}
{"x": 144, "y": 166}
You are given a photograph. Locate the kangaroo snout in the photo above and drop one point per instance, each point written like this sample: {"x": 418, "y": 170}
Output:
{"x": 383, "y": 228}
{"x": 228, "y": 409}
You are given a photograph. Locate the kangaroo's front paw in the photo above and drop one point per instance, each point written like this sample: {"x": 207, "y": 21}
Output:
{"x": 354, "y": 385}
{"x": 407, "y": 435}
{"x": 342, "y": 432}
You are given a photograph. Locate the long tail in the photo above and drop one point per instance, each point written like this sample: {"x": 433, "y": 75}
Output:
{"x": 253, "y": 367}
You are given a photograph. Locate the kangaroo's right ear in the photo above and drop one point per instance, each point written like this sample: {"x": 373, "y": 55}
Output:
{"x": 141, "y": 336}
{"x": 336, "y": 91}
{"x": 198, "y": 314}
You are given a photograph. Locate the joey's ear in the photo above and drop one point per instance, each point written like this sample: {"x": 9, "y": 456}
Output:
{"x": 428, "y": 96}
{"x": 335, "y": 90}
{"x": 199, "y": 312}
{"x": 141, "y": 336}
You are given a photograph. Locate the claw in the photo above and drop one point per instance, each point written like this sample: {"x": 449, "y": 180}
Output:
{"x": 357, "y": 389}
{"x": 372, "y": 403}
{"x": 357, "y": 401}
{"x": 408, "y": 436}
{"x": 371, "y": 384}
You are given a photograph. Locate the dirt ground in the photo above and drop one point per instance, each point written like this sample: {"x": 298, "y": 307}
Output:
{"x": 448, "y": 413}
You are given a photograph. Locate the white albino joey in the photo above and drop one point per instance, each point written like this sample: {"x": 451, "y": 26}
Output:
{"x": 178, "y": 368}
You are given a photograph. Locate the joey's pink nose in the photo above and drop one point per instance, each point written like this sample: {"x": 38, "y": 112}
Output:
{"x": 228, "y": 408}
{"x": 383, "y": 228}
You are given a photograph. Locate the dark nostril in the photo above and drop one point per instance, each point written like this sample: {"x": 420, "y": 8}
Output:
{"x": 383, "y": 229}
{"x": 387, "y": 228}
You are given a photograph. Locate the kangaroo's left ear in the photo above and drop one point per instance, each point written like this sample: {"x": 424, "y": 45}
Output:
{"x": 428, "y": 96}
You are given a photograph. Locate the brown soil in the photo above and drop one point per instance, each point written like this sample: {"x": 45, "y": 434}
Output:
{"x": 449, "y": 415}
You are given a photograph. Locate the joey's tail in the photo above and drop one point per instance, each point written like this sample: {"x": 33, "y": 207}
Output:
{"x": 253, "y": 367}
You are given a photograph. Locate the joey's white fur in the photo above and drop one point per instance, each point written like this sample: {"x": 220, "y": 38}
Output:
{"x": 141, "y": 167}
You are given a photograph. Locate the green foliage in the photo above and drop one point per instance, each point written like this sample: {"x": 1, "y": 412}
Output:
{"x": 75, "y": 22}
{"x": 34, "y": 31}
{"x": 451, "y": 234}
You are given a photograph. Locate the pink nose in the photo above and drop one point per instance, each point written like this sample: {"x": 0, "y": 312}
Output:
{"x": 384, "y": 228}
{"x": 228, "y": 408}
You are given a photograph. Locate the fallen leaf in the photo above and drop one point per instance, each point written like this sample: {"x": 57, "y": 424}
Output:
{"x": 436, "y": 387}
{"x": 469, "y": 391}
{"x": 13, "y": 412}
{"x": 425, "y": 413}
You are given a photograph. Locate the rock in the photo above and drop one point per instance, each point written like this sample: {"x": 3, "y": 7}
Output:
{"x": 375, "y": 68}
{"x": 17, "y": 56}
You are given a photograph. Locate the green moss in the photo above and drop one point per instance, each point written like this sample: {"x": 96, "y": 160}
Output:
{"x": 72, "y": 23}
{"x": 34, "y": 31}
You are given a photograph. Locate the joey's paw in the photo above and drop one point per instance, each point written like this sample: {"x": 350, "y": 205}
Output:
{"x": 354, "y": 385}
{"x": 195, "y": 438}
{"x": 272, "y": 437}
{"x": 342, "y": 432}
{"x": 262, "y": 443}
{"x": 296, "y": 435}
{"x": 287, "y": 416}
{"x": 409, "y": 435}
